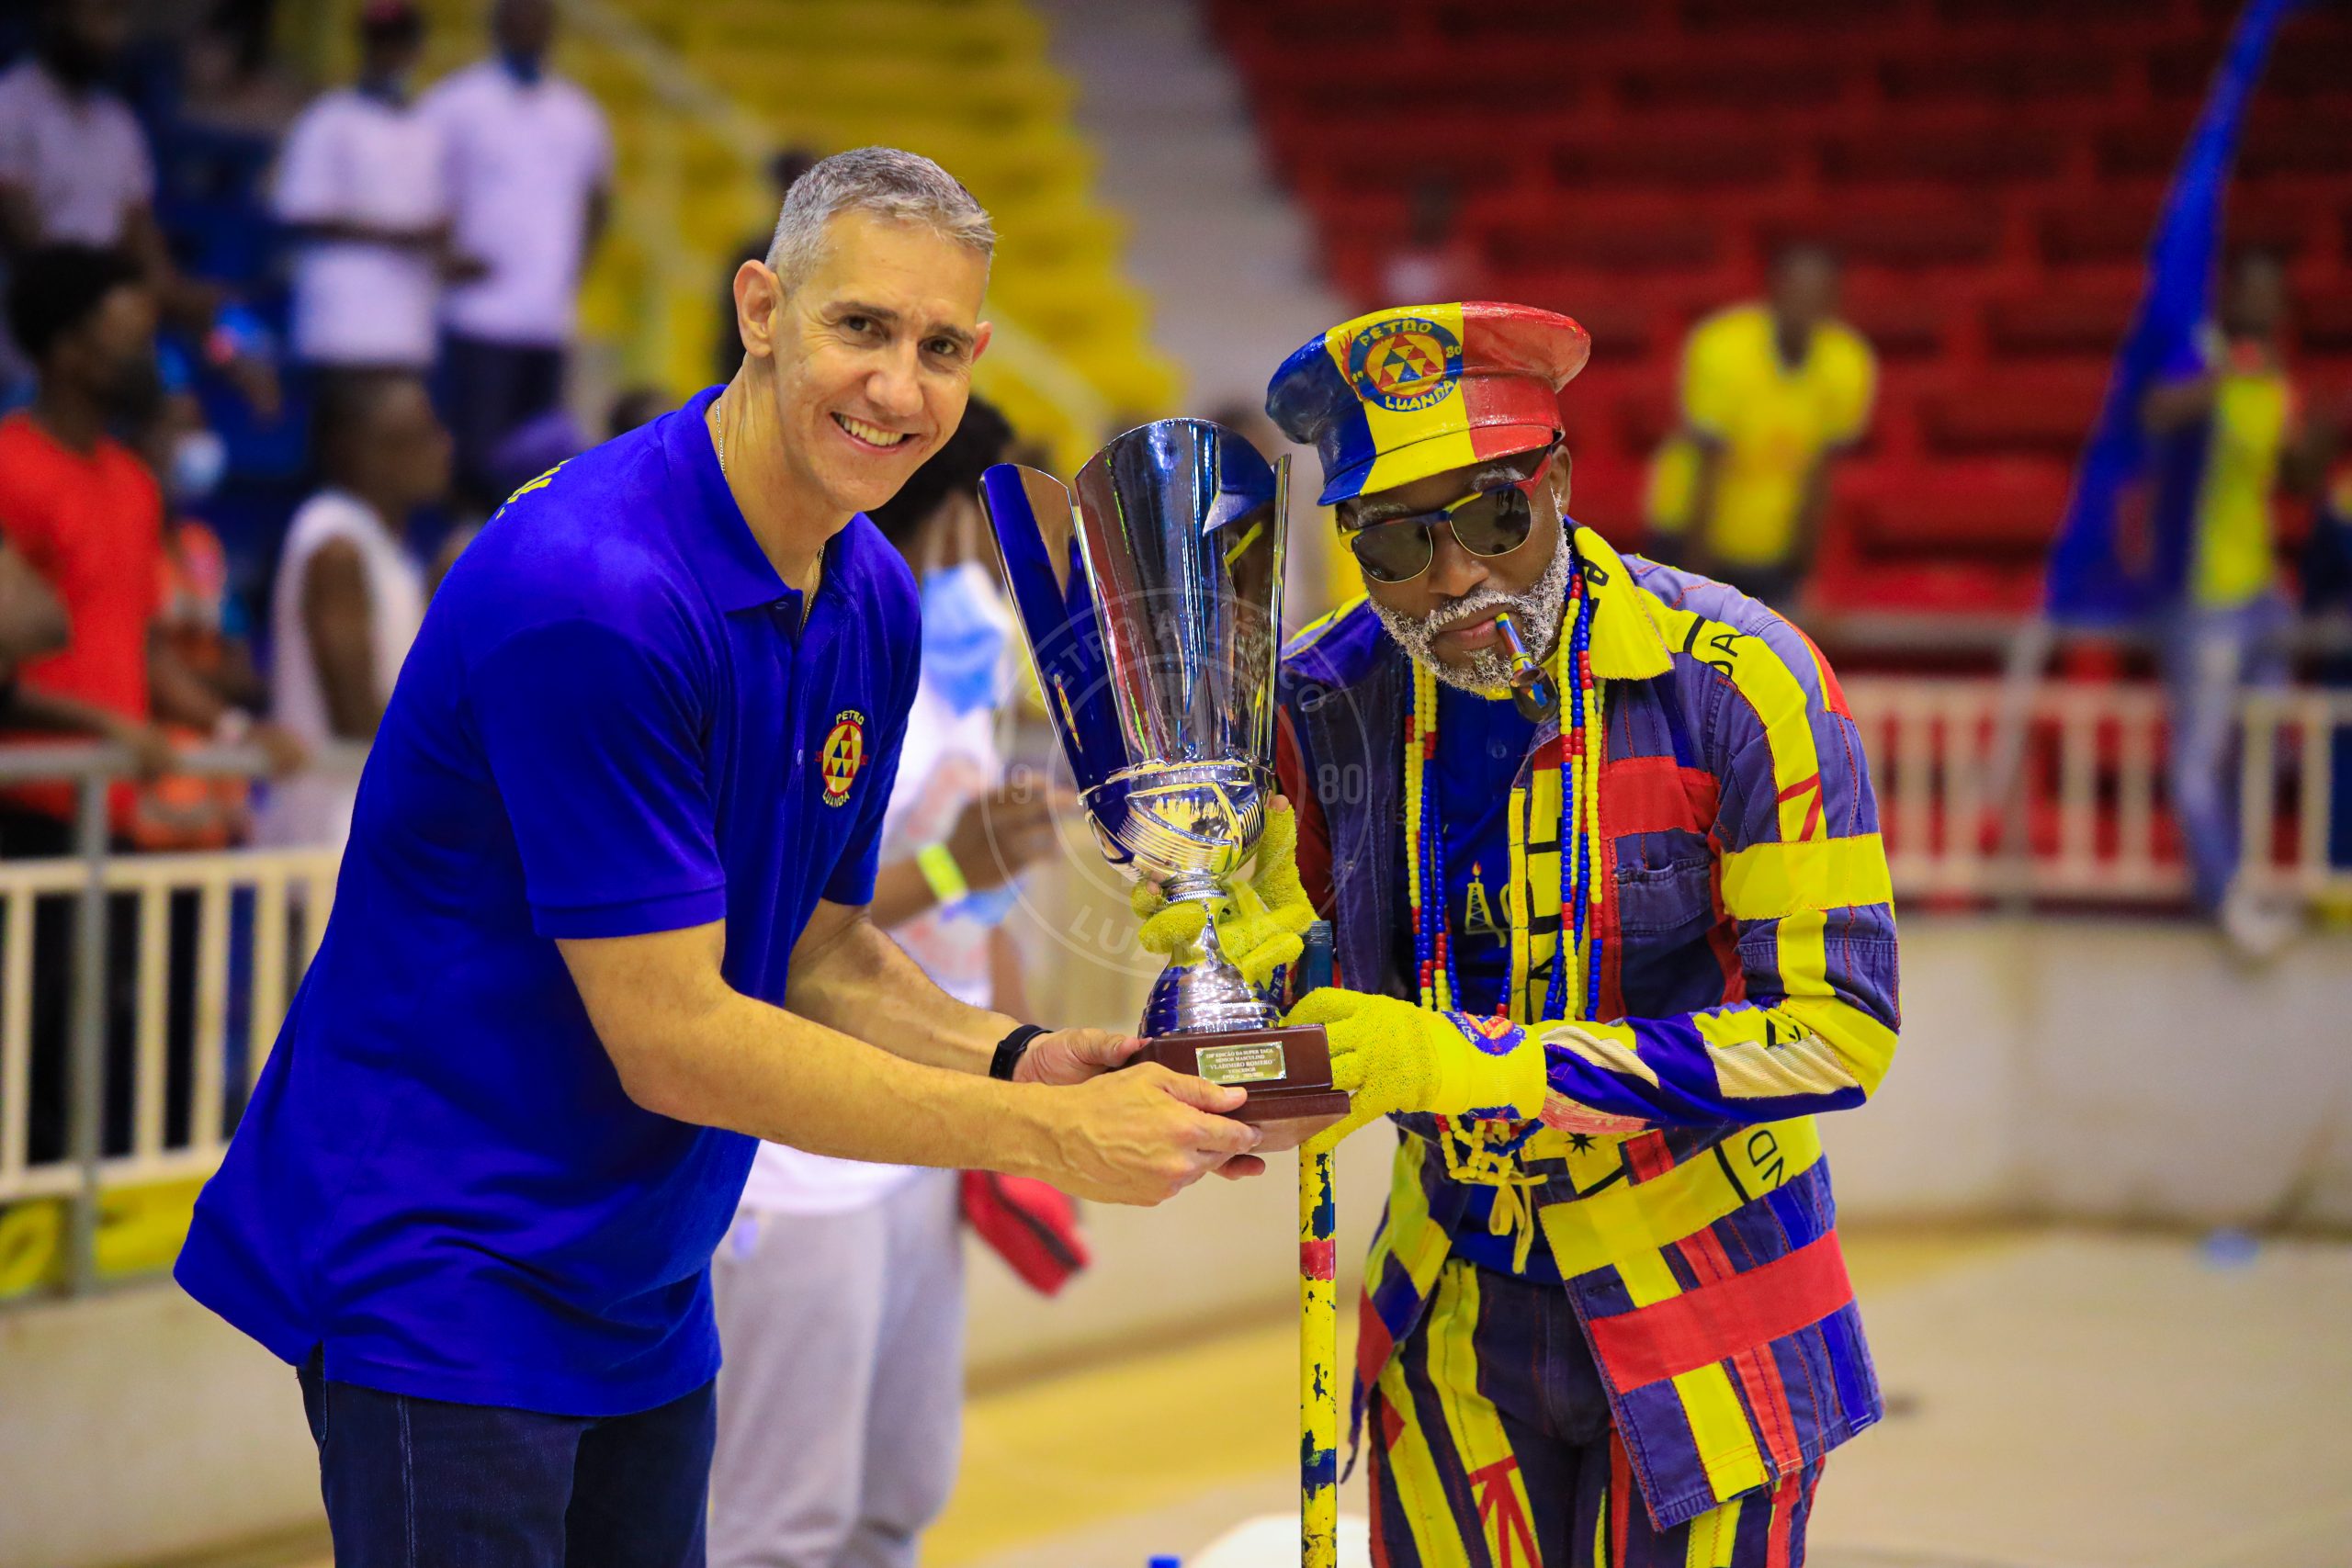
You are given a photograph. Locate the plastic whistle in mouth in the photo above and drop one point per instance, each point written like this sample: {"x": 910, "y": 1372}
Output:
{"x": 1531, "y": 688}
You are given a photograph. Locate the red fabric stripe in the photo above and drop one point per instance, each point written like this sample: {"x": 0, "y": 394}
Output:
{"x": 1649, "y": 1156}
{"x": 1316, "y": 1259}
{"x": 1373, "y": 1341}
{"x": 1832, "y": 694}
{"x": 1758, "y": 1373}
{"x": 1722, "y": 938}
{"x": 1650, "y": 794}
{"x": 1549, "y": 754}
{"x": 1612, "y": 1004}
{"x": 1621, "y": 1497}
{"x": 1784, "y": 1518}
{"x": 1718, "y": 1320}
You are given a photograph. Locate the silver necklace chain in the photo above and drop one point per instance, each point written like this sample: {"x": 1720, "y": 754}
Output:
{"x": 718, "y": 438}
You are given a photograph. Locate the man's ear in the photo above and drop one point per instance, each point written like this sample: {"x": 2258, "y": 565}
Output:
{"x": 1561, "y": 465}
{"x": 981, "y": 336}
{"x": 758, "y": 292}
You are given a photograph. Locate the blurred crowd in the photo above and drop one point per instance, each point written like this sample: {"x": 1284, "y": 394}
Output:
{"x": 265, "y": 363}
{"x": 267, "y": 360}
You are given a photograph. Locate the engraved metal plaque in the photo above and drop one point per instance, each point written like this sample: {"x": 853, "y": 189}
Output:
{"x": 1257, "y": 1061}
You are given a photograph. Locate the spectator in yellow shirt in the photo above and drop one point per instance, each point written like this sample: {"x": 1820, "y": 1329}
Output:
{"x": 2229, "y": 413}
{"x": 1771, "y": 392}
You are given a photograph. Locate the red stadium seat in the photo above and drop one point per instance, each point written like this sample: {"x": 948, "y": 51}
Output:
{"x": 1943, "y": 74}
{"x": 1960, "y": 154}
{"x": 1909, "y": 231}
{"x": 1779, "y": 15}
{"x": 2324, "y": 323}
{"x": 2313, "y": 144}
{"x": 2107, "y": 229}
{"x": 1712, "y": 81}
{"x": 2054, "y": 321}
{"x": 1624, "y": 242}
{"x": 1712, "y": 156}
{"x": 2010, "y": 508}
{"x": 1902, "y": 324}
{"x": 1992, "y": 170}
{"x": 2044, "y": 410}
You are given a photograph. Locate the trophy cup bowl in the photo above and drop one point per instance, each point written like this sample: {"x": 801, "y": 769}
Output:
{"x": 1151, "y": 601}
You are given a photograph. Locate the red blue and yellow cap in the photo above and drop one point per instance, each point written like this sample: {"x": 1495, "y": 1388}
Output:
{"x": 1399, "y": 395}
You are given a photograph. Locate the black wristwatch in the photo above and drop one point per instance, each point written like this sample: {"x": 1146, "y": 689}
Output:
{"x": 1011, "y": 1048}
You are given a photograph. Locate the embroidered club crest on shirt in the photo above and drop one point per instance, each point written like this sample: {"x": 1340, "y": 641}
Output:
{"x": 1405, "y": 363}
{"x": 844, "y": 754}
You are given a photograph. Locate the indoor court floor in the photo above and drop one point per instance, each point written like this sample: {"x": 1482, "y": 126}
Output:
{"x": 2058, "y": 1399}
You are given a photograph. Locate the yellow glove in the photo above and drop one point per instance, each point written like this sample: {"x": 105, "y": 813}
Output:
{"x": 1392, "y": 1056}
{"x": 1260, "y": 928}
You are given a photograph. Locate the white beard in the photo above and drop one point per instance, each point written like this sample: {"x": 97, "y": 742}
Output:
{"x": 1537, "y": 611}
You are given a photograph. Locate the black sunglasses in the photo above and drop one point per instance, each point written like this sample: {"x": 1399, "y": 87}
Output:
{"x": 1484, "y": 522}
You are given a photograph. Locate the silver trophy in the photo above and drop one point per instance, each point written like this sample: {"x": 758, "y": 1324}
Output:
{"x": 1152, "y": 604}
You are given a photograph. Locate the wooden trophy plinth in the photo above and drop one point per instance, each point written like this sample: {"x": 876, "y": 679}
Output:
{"x": 1287, "y": 1071}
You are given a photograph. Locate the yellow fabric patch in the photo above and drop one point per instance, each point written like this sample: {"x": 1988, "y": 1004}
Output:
{"x": 1765, "y": 882}
{"x": 1420, "y": 1489}
{"x": 1626, "y": 1222}
{"x": 1719, "y": 1429}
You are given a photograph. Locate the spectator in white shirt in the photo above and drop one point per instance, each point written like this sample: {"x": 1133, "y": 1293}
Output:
{"x": 361, "y": 181}
{"x": 74, "y": 169}
{"x": 530, "y": 164}
{"x": 349, "y": 595}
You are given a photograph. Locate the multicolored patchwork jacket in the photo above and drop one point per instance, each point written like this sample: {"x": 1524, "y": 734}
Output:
{"x": 1748, "y": 981}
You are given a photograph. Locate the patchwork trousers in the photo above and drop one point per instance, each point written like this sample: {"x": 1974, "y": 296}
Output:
{"x": 1491, "y": 1446}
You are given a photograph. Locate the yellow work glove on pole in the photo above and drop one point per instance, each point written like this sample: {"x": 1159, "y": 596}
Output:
{"x": 1260, "y": 928}
{"x": 1391, "y": 1055}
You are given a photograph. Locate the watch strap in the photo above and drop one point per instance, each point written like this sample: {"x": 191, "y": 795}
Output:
{"x": 1011, "y": 1048}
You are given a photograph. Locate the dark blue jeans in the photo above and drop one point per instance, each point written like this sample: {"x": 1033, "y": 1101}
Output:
{"x": 421, "y": 1483}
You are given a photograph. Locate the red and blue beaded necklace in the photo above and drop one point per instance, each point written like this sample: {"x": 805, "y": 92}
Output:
{"x": 1579, "y": 944}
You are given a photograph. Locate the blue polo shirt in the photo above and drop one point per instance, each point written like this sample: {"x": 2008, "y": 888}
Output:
{"x": 614, "y": 722}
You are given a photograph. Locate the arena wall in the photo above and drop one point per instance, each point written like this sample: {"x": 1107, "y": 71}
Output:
{"x": 2102, "y": 1070}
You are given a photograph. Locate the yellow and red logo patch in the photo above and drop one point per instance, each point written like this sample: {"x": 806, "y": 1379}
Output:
{"x": 844, "y": 754}
{"x": 1403, "y": 362}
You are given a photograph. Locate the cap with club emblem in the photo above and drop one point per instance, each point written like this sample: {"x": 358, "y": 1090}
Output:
{"x": 1401, "y": 394}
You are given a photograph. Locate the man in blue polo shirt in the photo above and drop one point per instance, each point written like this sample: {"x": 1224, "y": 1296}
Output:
{"x": 600, "y": 926}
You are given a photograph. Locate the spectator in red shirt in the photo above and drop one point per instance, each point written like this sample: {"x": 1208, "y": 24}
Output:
{"x": 87, "y": 516}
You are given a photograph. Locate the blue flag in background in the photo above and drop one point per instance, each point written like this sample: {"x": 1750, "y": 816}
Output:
{"x": 2123, "y": 551}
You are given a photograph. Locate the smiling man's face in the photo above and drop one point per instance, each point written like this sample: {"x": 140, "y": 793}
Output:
{"x": 874, "y": 353}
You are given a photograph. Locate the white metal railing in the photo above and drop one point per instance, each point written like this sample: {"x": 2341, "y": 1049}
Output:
{"x": 2288, "y": 759}
{"x": 2089, "y": 821}
{"x": 282, "y": 896}
{"x": 2086, "y": 813}
{"x": 257, "y": 918}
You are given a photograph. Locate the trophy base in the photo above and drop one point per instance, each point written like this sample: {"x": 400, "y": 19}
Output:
{"x": 1287, "y": 1071}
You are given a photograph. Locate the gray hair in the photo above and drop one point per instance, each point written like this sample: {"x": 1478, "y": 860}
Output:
{"x": 904, "y": 186}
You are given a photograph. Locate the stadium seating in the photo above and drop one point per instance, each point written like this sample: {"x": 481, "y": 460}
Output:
{"x": 1990, "y": 169}
{"x": 966, "y": 82}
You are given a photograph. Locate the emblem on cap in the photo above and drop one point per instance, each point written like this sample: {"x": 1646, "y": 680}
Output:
{"x": 844, "y": 754}
{"x": 1405, "y": 364}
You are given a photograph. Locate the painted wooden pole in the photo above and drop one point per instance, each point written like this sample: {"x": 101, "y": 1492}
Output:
{"x": 1318, "y": 1374}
